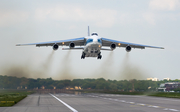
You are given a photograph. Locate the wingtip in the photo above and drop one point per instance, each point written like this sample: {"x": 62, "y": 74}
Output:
{"x": 17, "y": 44}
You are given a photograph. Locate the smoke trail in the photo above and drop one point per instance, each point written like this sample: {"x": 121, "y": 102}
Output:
{"x": 45, "y": 67}
{"x": 64, "y": 72}
{"x": 27, "y": 70}
{"x": 105, "y": 68}
{"x": 16, "y": 70}
{"x": 130, "y": 71}
{"x": 48, "y": 61}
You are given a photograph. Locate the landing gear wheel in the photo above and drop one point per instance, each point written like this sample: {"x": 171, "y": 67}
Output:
{"x": 83, "y": 56}
{"x": 99, "y": 57}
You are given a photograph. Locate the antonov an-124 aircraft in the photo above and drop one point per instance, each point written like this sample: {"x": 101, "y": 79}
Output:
{"x": 91, "y": 45}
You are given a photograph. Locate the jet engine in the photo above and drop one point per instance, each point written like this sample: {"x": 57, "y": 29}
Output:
{"x": 113, "y": 46}
{"x": 128, "y": 48}
{"x": 55, "y": 47}
{"x": 71, "y": 45}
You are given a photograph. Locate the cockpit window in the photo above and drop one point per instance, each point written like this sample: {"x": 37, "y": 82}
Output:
{"x": 94, "y": 34}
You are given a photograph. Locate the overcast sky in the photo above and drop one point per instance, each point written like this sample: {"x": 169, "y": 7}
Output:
{"x": 149, "y": 22}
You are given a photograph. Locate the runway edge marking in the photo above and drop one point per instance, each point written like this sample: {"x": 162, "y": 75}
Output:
{"x": 74, "y": 110}
{"x": 133, "y": 103}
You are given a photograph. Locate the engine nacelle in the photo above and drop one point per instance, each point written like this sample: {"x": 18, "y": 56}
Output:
{"x": 113, "y": 46}
{"x": 71, "y": 45}
{"x": 128, "y": 48}
{"x": 55, "y": 47}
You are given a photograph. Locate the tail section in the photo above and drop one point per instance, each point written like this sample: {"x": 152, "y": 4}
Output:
{"x": 88, "y": 31}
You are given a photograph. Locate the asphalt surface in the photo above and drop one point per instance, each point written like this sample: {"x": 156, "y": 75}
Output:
{"x": 93, "y": 103}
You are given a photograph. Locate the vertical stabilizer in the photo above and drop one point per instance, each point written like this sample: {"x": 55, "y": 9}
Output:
{"x": 88, "y": 31}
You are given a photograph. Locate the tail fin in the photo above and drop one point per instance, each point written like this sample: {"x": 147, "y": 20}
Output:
{"x": 88, "y": 31}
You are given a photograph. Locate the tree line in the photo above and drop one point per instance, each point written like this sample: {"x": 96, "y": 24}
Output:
{"x": 11, "y": 82}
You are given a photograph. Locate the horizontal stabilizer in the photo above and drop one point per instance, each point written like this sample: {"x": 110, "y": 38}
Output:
{"x": 72, "y": 48}
{"x": 106, "y": 49}
{"x": 22, "y": 44}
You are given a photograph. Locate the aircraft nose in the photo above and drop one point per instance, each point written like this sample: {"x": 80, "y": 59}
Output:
{"x": 95, "y": 40}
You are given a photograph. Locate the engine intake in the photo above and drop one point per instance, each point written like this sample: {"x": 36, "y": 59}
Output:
{"x": 71, "y": 45}
{"x": 113, "y": 46}
{"x": 128, "y": 48}
{"x": 55, "y": 47}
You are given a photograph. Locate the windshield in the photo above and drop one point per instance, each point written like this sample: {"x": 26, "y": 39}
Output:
{"x": 94, "y": 34}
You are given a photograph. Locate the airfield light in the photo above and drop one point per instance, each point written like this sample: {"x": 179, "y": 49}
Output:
{"x": 99, "y": 45}
{"x": 119, "y": 44}
{"x": 63, "y": 43}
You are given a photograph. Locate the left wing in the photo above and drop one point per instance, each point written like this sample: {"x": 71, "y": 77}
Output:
{"x": 108, "y": 42}
{"x": 76, "y": 41}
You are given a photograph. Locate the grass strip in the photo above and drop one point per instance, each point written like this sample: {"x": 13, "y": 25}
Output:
{"x": 166, "y": 94}
{"x": 11, "y": 97}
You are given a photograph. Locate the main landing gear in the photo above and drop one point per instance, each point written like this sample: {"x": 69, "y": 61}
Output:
{"x": 83, "y": 55}
{"x": 99, "y": 56}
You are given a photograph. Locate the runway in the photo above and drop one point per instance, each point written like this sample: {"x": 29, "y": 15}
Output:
{"x": 93, "y": 102}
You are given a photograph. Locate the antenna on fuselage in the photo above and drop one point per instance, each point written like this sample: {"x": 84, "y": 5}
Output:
{"x": 88, "y": 31}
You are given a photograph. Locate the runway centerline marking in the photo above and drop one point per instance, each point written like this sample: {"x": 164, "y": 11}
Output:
{"x": 74, "y": 110}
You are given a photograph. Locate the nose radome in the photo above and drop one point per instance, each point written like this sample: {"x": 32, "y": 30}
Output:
{"x": 95, "y": 40}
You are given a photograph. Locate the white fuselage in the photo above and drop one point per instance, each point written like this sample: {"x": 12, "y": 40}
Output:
{"x": 92, "y": 46}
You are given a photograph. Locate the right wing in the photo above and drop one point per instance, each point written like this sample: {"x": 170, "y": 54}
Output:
{"x": 77, "y": 41}
{"x": 107, "y": 42}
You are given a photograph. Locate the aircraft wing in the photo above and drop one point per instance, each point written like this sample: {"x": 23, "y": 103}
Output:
{"x": 108, "y": 42}
{"x": 76, "y": 41}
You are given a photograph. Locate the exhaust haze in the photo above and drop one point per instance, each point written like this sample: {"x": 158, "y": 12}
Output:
{"x": 65, "y": 70}
{"x": 130, "y": 71}
{"x": 126, "y": 71}
{"x": 47, "y": 64}
{"x": 104, "y": 71}
{"x": 27, "y": 70}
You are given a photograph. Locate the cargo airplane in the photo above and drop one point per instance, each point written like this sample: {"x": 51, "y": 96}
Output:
{"x": 91, "y": 45}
